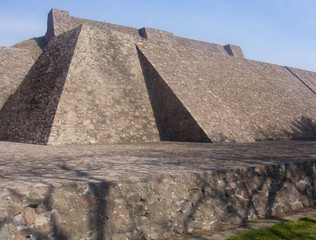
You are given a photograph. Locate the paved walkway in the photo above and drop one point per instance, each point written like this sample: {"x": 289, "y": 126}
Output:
{"x": 29, "y": 164}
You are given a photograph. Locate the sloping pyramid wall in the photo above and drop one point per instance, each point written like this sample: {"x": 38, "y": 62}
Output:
{"x": 14, "y": 65}
{"x": 308, "y": 78}
{"x": 105, "y": 83}
{"x": 104, "y": 99}
{"x": 174, "y": 121}
{"x": 235, "y": 99}
{"x": 87, "y": 87}
{"x": 28, "y": 115}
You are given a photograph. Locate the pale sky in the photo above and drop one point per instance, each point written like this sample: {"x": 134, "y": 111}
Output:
{"x": 276, "y": 31}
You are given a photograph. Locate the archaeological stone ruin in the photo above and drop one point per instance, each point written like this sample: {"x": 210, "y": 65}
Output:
{"x": 102, "y": 83}
{"x": 114, "y": 132}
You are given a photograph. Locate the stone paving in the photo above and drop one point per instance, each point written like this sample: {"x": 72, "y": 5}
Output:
{"x": 29, "y": 164}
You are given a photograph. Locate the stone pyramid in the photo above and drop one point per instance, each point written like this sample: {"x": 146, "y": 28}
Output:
{"x": 233, "y": 98}
{"x": 103, "y": 83}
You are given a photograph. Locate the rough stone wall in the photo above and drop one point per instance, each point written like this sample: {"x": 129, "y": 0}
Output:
{"x": 104, "y": 99}
{"x": 34, "y": 46}
{"x": 132, "y": 32}
{"x": 174, "y": 122}
{"x": 187, "y": 91}
{"x": 205, "y": 46}
{"x": 60, "y": 21}
{"x": 234, "y": 50}
{"x": 29, "y": 113}
{"x": 158, "y": 36}
{"x": 307, "y": 77}
{"x": 232, "y": 98}
{"x": 157, "y": 207}
{"x": 14, "y": 65}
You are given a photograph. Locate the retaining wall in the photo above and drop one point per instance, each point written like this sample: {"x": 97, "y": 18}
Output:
{"x": 148, "y": 191}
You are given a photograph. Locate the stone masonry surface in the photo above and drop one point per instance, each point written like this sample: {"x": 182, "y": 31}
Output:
{"x": 60, "y": 21}
{"x": 29, "y": 113}
{"x": 14, "y": 65}
{"x": 235, "y": 99}
{"x": 99, "y": 83}
{"x": 148, "y": 191}
{"x": 104, "y": 99}
{"x": 174, "y": 122}
{"x": 309, "y": 78}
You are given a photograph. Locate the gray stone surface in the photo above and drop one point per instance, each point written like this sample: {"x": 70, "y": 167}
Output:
{"x": 14, "y": 65}
{"x": 124, "y": 85}
{"x": 174, "y": 122}
{"x": 60, "y": 21}
{"x": 149, "y": 191}
{"x": 308, "y": 77}
{"x": 29, "y": 113}
{"x": 232, "y": 98}
{"x": 99, "y": 83}
{"x": 104, "y": 99}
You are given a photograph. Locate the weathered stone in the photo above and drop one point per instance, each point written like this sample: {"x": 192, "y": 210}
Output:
{"x": 122, "y": 211}
{"x": 178, "y": 229}
{"x": 42, "y": 208}
{"x": 157, "y": 206}
{"x": 16, "y": 197}
{"x": 55, "y": 218}
{"x": 134, "y": 198}
{"x": 17, "y": 235}
{"x": 233, "y": 185}
{"x": 74, "y": 215}
{"x": 149, "y": 85}
{"x": 44, "y": 229}
{"x": 112, "y": 192}
{"x": 13, "y": 210}
{"x": 29, "y": 215}
{"x": 14, "y": 65}
{"x": 40, "y": 220}
{"x": 18, "y": 220}
{"x": 87, "y": 200}
{"x": 3, "y": 214}
{"x": 63, "y": 204}
{"x": 26, "y": 231}
{"x": 140, "y": 209}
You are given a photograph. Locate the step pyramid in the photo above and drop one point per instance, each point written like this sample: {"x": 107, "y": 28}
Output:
{"x": 82, "y": 89}
{"x": 98, "y": 83}
{"x": 236, "y": 99}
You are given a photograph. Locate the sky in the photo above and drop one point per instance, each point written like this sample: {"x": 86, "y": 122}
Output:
{"x": 282, "y": 32}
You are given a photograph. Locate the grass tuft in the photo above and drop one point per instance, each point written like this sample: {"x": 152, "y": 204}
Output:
{"x": 303, "y": 229}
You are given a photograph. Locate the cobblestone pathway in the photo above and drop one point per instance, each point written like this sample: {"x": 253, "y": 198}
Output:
{"x": 27, "y": 164}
